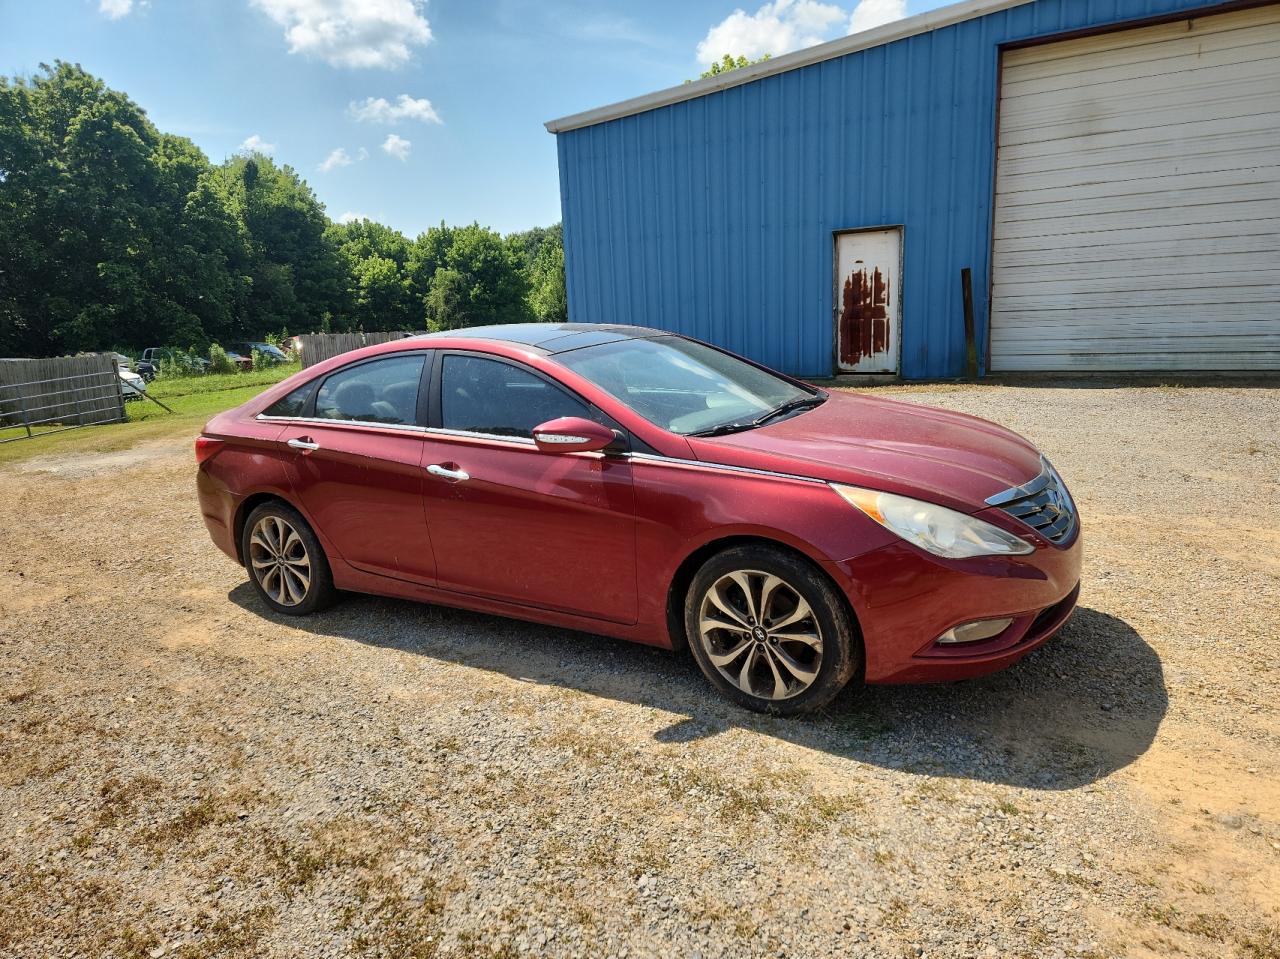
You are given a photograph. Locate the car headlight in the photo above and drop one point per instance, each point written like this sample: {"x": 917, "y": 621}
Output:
{"x": 936, "y": 529}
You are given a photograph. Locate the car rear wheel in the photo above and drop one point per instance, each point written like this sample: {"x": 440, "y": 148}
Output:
{"x": 770, "y": 631}
{"x": 286, "y": 564}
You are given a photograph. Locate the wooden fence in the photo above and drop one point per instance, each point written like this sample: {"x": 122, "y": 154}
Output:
{"x": 62, "y": 391}
{"x": 316, "y": 347}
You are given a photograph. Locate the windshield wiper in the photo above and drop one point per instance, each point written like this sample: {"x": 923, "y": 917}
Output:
{"x": 724, "y": 428}
{"x": 791, "y": 406}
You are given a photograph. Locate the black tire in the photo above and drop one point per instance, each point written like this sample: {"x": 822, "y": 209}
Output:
{"x": 830, "y": 651}
{"x": 279, "y": 579}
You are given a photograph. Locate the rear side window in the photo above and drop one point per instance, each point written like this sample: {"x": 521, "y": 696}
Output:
{"x": 291, "y": 404}
{"x": 487, "y": 396}
{"x": 380, "y": 391}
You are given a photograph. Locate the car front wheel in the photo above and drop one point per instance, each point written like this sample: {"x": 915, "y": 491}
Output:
{"x": 770, "y": 631}
{"x": 286, "y": 564}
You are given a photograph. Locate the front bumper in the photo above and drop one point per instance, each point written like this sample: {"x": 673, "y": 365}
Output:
{"x": 906, "y": 598}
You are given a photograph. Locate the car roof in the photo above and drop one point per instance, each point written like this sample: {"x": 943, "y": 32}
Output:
{"x": 550, "y": 338}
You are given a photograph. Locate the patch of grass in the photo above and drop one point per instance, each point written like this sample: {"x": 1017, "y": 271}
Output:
{"x": 230, "y": 935}
{"x": 118, "y": 797}
{"x": 1074, "y": 878}
{"x": 1213, "y": 926}
{"x": 1164, "y": 915}
{"x": 388, "y": 923}
{"x": 207, "y": 811}
{"x": 173, "y": 387}
{"x": 827, "y": 809}
{"x": 1262, "y": 942}
{"x": 82, "y": 841}
{"x": 339, "y": 844}
{"x": 471, "y": 946}
{"x": 1008, "y": 808}
{"x": 895, "y": 913}
{"x": 597, "y": 749}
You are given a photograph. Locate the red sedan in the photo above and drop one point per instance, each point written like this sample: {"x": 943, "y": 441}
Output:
{"x": 643, "y": 485}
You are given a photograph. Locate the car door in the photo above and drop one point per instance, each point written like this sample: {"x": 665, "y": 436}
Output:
{"x": 508, "y": 522}
{"x": 357, "y": 465}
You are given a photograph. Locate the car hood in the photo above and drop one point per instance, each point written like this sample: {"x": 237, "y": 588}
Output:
{"x": 947, "y": 458}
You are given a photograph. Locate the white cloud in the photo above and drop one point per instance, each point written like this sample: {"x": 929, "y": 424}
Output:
{"x": 255, "y": 144}
{"x": 337, "y": 158}
{"x": 875, "y": 13}
{"x": 380, "y": 110}
{"x": 115, "y": 9}
{"x": 398, "y": 147}
{"x": 351, "y": 216}
{"x": 776, "y": 28}
{"x": 351, "y": 33}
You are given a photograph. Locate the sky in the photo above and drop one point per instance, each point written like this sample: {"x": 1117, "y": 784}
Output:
{"x": 408, "y": 112}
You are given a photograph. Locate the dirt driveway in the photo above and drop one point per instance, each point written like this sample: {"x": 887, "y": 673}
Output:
{"x": 182, "y": 773}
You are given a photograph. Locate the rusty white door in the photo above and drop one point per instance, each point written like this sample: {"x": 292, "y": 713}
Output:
{"x": 868, "y": 266}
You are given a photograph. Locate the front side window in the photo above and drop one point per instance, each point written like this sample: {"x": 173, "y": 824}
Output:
{"x": 379, "y": 391}
{"x": 487, "y": 396}
{"x": 683, "y": 386}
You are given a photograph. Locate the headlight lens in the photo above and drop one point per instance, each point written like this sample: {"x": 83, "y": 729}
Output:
{"x": 936, "y": 529}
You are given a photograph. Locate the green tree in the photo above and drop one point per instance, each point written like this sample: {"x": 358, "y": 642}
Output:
{"x": 528, "y": 243}
{"x": 98, "y": 240}
{"x": 729, "y": 62}
{"x": 297, "y": 278}
{"x": 380, "y": 290}
{"x": 473, "y": 278}
{"x": 547, "y": 296}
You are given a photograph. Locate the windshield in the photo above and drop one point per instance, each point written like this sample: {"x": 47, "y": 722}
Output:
{"x": 683, "y": 386}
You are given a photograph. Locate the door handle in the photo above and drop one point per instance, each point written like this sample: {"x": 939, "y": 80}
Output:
{"x": 456, "y": 476}
{"x": 305, "y": 445}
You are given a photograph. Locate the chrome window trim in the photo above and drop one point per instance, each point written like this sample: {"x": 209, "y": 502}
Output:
{"x": 323, "y": 421}
{"x": 772, "y": 474}
{"x": 473, "y": 435}
{"x": 407, "y": 427}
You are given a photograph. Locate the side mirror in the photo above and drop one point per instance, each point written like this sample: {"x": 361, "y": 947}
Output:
{"x": 572, "y": 434}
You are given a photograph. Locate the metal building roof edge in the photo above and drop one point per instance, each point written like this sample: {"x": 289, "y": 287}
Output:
{"x": 863, "y": 40}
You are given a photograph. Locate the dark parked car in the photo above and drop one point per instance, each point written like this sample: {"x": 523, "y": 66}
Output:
{"x": 640, "y": 484}
{"x": 149, "y": 365}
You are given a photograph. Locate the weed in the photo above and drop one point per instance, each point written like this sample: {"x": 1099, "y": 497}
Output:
{"x": 1262, "y": 942}
{"x": 1215, "y": 926}
{"x": 231, "y": 935}
{"x": 895, "y": 914}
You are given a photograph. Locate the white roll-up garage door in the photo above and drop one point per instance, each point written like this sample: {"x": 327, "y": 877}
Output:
{"x": 1137, "y": 216}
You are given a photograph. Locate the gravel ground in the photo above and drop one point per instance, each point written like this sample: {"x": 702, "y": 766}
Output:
{"x": 183, "y": 773}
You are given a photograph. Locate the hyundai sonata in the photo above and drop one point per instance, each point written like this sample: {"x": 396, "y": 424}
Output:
{"x": 644, "y": 485}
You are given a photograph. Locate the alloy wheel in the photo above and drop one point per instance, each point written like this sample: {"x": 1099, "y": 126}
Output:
{"x": 761, "y": 634}
{"x": 280, "y": 561}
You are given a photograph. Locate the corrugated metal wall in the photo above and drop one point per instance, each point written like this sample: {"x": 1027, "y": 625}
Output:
{"x": 714, "y": 216}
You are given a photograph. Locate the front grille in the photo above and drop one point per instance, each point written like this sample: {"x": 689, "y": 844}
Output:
{"x": 1043, "y": 504}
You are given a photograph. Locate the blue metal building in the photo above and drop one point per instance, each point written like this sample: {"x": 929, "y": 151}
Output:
{"x": 717, "y": 208}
